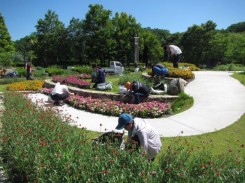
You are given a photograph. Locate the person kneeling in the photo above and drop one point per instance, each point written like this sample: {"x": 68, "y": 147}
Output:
{"x": 60, "y": 93}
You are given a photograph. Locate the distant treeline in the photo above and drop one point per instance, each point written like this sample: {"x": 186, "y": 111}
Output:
{"x": 101, "y": 37}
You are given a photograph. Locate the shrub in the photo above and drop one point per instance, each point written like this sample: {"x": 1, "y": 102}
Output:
{"x": 230, "y": 67}
{"x": 11, "y": 80}
{"x": 134, "y": 77}
{"x": 83, "y": 69}
{"x": 54, "y": 71}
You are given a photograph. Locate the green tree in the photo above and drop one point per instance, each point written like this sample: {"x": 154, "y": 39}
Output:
{"x": 218, "y": 47}
{"x": 6, "y": 45}
{"x": 152, "y": 50}
{"x": 238, "y": 27}
{"x": 196, "y": 43}
{"x": 76, "y": 41}
{"x": 162, "y": 34}
{"x": 97, "y": 30}
{"x": 52, "y": 40}
{"x": 235, "y": 52}
{"x": 125, "y": 29}
{"x": 26, "y": 47}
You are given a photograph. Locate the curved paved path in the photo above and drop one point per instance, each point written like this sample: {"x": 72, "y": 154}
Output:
{"x": 219, "y": 101}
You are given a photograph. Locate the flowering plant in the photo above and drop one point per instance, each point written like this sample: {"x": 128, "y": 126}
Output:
{"x": 29, "y": 85}
{"x": 115, "y": 108}
{"x": 72, "y": 80}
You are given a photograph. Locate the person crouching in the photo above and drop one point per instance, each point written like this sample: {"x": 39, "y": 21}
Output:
{"x": 60, "y": 93}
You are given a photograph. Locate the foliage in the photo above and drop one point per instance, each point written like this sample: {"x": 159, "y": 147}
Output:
{"x": 182, "y": 162}
{"x": 115, "y": 108}
{"x": 54, "y": 70}
{"x": 73, "y": 81}
{"x": 29, "y": 85}
{"x": 21, "y": 71}
{"x": 179, "y": 104}
{"x": 181, "y": 73}
{"x": 240, "y": 76}
{"x": 6, "y": 58}
{"x": 196, "y": 43}
{"x": 152, "y": 48}
{"x": 51, "y": 36}
{"x": 133, "y": 77}
{"x": 6, "y": 45}
{"x": 40, "y": 146}
{"x": 83, "y": 69}
{"x": 98, "y": 29}
{"x": 238, "y": 27}
{"x": 11, "y": 80}
{"x": 230, "y": 67}
{"x": 125, "y": 28}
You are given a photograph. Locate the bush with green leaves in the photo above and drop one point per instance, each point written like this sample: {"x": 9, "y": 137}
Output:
{"x": 54, "y": 70}
{"x": 230, "y": 67}
{"x": 83, "y": 69}
{"x": 4, "y": 81}
{"x": 136, "y": 76}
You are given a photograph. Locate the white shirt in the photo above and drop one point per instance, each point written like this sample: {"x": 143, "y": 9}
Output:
{"x": 175, "y": 50}
{"x": 59, "y": 89}
{"x": 149, "y": 139}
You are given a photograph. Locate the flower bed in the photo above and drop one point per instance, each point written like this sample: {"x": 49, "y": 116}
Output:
{"x": 72, "y": 80}
{"x": 115, "y": 108}
{"x": 29, "y": 85}
{"x": 38, "y": 146}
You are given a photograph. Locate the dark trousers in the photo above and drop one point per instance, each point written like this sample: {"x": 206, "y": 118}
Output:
{"x": 137, "y": 97}
{"x": 176, "y": 60}
{"x": 28, "y": 75}
{"x": 57, "y": 97}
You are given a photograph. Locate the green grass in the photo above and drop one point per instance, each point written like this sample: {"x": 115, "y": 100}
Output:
{"x": 218, "y": 142}
{"x": 240, "y": 76}
{"x": 221, "y": 141}
{"x": 2, "y": 88}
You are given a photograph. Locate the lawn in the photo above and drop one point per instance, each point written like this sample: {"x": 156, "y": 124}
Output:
{"x": 221, "y": 141}
{"x": 2, "y": 88}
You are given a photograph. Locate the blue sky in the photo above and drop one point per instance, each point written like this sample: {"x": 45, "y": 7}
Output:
{"x": 21, "y": 16}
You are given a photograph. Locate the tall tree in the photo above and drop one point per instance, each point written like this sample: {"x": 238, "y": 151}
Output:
{"x": 97, "y": 28}
{"x": 26, "y": 47}
{"x": 152, "y": 51}
{"x": 162, "y": 34}
{"x": 6, "y": 45}
{"x": 125, "y": 29}
{"x": 238, "y": 27}
{"x": 76, "y": 41}
{"x": 196, "y": 43}
{"x": 51, "y": 35}
{"x": 235, "y": 52}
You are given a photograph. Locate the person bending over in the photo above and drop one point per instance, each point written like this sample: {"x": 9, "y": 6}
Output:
{"x": 175, "y": 53}
{"x": 138, "y": 90}
{"x": 147, "y": 135}
{"x": 159, "y": 70}
{"x": 60, "y": 93}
